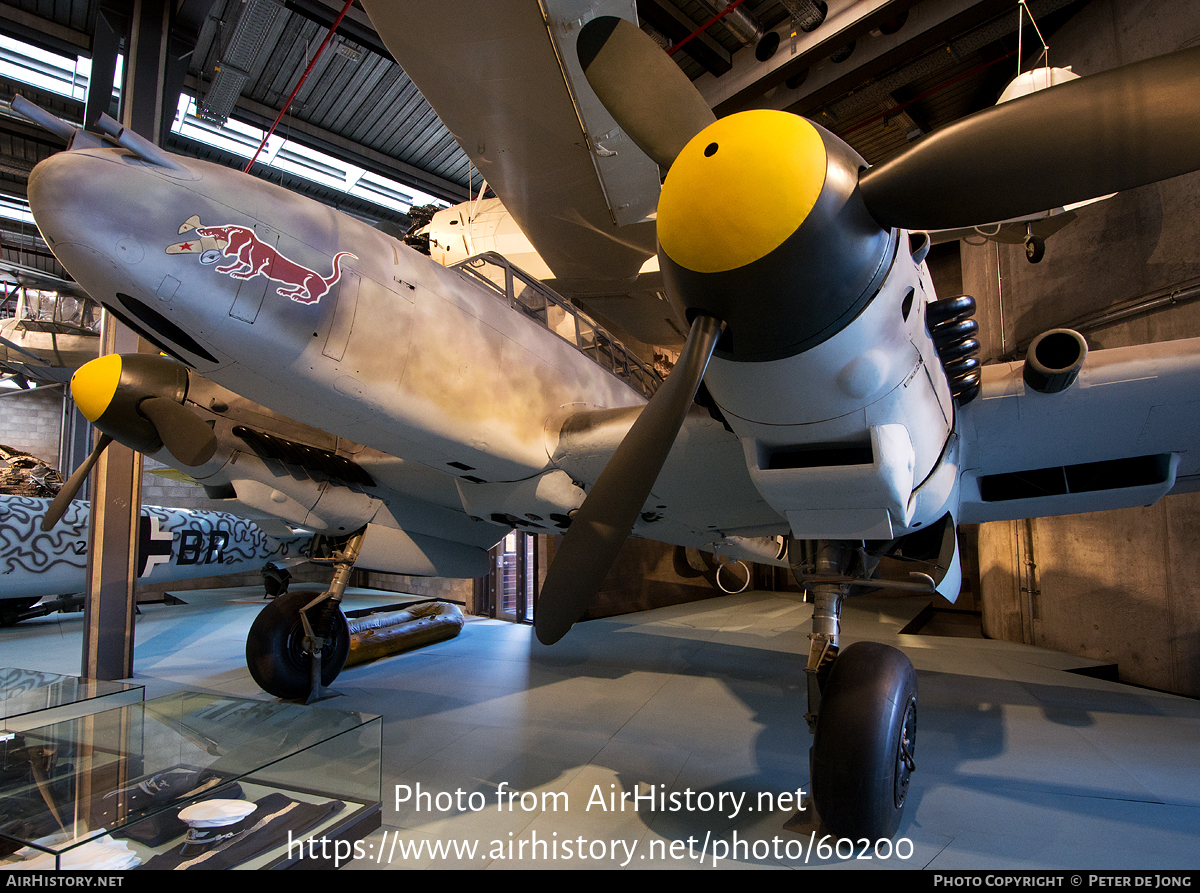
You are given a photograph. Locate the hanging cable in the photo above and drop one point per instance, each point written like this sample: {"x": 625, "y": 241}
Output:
{"x": 726, "y": 11}
{"x": 299, "y": 84}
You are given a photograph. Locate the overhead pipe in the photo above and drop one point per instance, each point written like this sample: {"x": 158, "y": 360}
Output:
{"x": 729, "y": 8}
{"x": 741, "y": 23}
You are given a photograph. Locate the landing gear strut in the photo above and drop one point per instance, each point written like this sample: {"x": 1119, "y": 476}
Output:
{"x": 862, "y": 703}
{"x": 299, "y": 644}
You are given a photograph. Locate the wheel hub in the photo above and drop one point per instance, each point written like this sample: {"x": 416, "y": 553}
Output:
{"x": 904, "y": 753}
{"x": 299, "y": 648}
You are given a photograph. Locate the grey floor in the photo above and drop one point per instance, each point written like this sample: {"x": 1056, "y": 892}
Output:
{"x": 1021, "y": 764}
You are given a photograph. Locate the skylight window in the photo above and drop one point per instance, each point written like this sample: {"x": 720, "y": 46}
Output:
{"x": 291, "y": 157}
{"x": 64, "y": 76}
{"x": 14, "y": 208}
{"x": 43, "y": 69}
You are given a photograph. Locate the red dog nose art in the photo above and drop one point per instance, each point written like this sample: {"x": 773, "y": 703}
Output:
{"x": 251, "y": 257}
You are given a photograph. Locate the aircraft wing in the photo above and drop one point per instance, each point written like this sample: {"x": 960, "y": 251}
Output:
{"x": 1122, "y": 435}
{"x": 1009, "y": 232}
{"x": 17, "y": 274}
{"x": 494, "y": 73}
{"x": 419, "y": 520}
{"x": 268, "y": 466}
{"x": 288, "y": 476}
{"x": 725, "y": 515}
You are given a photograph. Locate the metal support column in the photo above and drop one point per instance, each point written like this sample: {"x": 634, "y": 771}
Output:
{"x": 117, "y": 477}
{"x": 116, "y": 495}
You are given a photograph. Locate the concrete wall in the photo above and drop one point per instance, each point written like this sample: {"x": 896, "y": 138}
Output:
{"x": 1117, "y": 586}
{"x": 31, "y": 421}
{"x": 459, "y": 591}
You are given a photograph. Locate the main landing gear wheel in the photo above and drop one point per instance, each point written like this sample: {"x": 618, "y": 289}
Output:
{"x": 276, "y": 652}
{"x": 862, "y": 755}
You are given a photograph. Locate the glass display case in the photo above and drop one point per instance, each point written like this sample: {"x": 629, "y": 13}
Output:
{"x": 104, "y": 791}
{"x": 30, "y": 698}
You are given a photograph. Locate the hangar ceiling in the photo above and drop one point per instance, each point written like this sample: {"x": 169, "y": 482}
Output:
{"x": 879, "y": 73}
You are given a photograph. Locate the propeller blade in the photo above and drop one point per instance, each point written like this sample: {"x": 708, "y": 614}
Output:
{"x": 59, "y": 506}
{"x": 604, "y": 521}
{"x": 1115, "y": 130}
{"x": 183, "y": 433}
{"x": 647, "y": 94}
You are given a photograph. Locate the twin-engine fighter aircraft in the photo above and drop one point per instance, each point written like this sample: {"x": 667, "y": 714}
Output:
{"x": 845, "y": 410}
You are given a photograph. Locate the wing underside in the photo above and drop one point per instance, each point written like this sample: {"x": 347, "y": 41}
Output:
{"x": 703, "y": 497}
{"x": 503, "y": 77}
{"x": 1120, "y": 436}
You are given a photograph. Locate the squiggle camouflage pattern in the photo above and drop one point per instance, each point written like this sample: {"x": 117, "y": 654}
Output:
{"x": 174, "y": 544}
{"x": 26, "y": 549}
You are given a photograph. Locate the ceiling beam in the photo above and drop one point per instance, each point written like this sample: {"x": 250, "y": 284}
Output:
{"x": 43, "y": 32}
{"x": 355, "y": 26}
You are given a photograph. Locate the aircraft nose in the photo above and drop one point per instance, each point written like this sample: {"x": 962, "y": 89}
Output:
{"x": 784, "y": 251}
{"x": 94, "y": 385}
{"x": 52, "y": 180}
{"x": 65, "y": 191}
{"x": 98, "y": 210}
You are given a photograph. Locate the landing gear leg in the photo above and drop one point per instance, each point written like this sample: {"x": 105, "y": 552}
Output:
{"x": 862, "y": 704}
{"x": 826, "y": 625}
{"x": 297, "y": 646}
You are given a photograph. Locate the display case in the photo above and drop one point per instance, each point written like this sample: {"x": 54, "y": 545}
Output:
{"x": 105, "y": 790}
{"x": 30, "y": 698}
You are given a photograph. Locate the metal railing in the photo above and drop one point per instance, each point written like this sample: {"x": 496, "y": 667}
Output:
{"x": 560, "y": 316}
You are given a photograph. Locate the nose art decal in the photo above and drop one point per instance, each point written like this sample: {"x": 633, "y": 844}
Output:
{"x": 251, "y": 256}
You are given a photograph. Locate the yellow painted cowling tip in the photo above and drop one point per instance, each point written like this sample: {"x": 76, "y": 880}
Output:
{"x": 740, "y": 188}
{"x": 94, "y": 384}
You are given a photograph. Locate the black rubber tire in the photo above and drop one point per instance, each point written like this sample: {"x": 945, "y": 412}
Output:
{"x": 275, "y": 652}
{"x": 859, "y": 775}
{"x": 1035, "y": 249}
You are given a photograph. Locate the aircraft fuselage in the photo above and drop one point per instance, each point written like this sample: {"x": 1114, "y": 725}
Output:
{"x": 173, "y": 544}
{"x": 322, "y": 318}
{"x": 382, "y": 345}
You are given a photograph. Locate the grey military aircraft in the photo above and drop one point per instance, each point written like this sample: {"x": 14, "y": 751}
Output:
{"x": 842, "y": 408}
